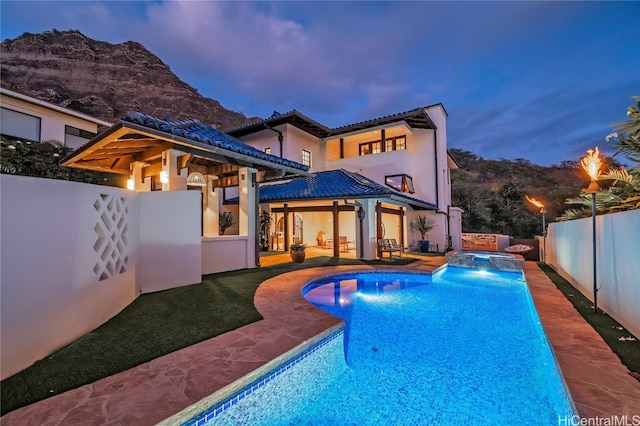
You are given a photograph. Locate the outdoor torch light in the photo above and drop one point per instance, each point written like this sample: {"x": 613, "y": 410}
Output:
{"x": 591, "y": 164}
{"x": 543, "y": 212}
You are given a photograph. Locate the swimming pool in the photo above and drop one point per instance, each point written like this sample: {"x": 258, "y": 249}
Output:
{"x": 461, "y": 347}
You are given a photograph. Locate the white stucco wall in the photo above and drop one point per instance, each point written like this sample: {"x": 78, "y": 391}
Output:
{"x": 570, "y": 252}
{"x": 73, "y": 255}
{"x": 169, "y": 249}
{"x": 225, "y": 253}
{"x": 52, "y": 262}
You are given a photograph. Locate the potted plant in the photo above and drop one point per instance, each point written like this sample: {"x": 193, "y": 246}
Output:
{"x": 226, "y": 220}
{"x": 297, "y": 252}
{"x": 423, "y": 224}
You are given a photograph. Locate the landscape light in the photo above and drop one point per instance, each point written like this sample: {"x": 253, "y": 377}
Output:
{"x": 591, "y": 164}
{"x": 543, "y": 212}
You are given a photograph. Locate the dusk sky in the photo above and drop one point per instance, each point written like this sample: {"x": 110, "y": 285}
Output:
{"x": 537, "y": 80}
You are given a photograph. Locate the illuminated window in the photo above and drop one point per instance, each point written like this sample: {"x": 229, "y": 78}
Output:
{"x": 402, "y": 183}
{"x": 306, "y": 157}
{"x": 267, "y": 150}
{"x": 370, "y": 148}
{"x": 390, "y": 144}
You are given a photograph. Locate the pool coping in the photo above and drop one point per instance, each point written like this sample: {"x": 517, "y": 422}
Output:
{"x": 154, "y": 391}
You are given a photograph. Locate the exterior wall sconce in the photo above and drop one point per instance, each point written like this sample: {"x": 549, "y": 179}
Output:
{"x": 164, "y": 177}
{"x": 196, "y": 179}
{"x": 130, "y": 184}
{"x": 591, "y": 164}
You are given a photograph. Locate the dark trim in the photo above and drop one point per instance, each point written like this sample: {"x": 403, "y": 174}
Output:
{"x": 285, "y": 211}
{"x": 383, "y": 140}
{"x": 311, "y": 209}
{"x": 435, "y": 150}
{"x": 402, "y": 227}
{"x": 336, "y": 230}
{"x": 378, "y": 226}
{"x": 341, "y": 148}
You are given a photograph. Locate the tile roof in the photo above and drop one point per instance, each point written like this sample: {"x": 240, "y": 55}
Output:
{"x": 416, "y": 117}
{"x": 332, "y": 184}
{"x": 292, "y": 117}
{"x": 206, "y": 134}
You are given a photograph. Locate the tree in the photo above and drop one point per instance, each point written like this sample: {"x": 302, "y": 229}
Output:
{"x": 624, "y": 190}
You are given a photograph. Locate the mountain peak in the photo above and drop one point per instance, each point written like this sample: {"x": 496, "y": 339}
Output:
{"x": 102, "y": 79}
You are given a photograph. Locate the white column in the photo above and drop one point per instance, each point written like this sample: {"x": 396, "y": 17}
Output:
{"x": 248, "y": 211}
{"x": 369, "y": 230}
{"x": 140, "y": 184}
{"x": 210, "y": 216}
{"x": 177, "y": 178}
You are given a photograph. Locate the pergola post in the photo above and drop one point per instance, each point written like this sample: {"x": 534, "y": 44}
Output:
{"x": 211, "y": 220}
{"x": 177, "y": 177}
{"x": 336, "y": 230}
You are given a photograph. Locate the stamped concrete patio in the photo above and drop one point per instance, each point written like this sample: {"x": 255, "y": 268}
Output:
{"x": 152, "y": 392}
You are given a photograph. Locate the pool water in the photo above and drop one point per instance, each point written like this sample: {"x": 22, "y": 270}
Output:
{"x": 461, "y": 347}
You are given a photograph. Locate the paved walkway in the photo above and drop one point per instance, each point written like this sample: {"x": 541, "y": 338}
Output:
{"x": 145, "y": 395}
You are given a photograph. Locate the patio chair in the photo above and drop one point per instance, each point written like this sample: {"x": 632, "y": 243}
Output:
{"x": 385, "y": 247}
{"x": 395, "y": 245}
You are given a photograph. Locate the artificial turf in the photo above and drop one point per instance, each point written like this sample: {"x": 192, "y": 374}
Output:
{"x": 153, "y": 325}
{"x": 619, "y": 339}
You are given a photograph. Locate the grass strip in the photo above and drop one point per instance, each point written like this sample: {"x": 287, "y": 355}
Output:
{"x": 154, "y": 325}
{"x": 620, "y": 340}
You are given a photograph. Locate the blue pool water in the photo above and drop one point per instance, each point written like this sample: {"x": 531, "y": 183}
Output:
{"x": 461, "y": 347}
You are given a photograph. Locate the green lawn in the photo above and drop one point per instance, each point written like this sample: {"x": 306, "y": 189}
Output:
{"x": 153, "y": 325}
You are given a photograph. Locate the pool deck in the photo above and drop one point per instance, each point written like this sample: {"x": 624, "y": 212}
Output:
{"x": 150, "y": 393}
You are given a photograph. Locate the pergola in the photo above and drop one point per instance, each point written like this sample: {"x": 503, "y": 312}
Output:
{"x": 143, "y": 146}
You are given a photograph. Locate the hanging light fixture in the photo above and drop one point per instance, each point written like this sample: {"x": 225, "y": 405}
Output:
{"x": 196, "y": 179}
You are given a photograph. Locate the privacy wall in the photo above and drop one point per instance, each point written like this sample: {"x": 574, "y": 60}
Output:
{"x": 570, "y": 252}
{"x": 70, "y": 258}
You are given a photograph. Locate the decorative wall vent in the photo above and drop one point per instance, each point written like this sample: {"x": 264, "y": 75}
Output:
{"x": 111, "y": 230}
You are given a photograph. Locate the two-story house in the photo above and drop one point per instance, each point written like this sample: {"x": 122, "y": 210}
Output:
{"x": 372, "y": 179}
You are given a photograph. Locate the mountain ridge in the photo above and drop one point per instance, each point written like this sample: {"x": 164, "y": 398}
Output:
{"x": 104, "y": 80}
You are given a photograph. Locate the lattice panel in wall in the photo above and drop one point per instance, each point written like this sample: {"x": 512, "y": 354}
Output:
{"x": 111, "y": 232}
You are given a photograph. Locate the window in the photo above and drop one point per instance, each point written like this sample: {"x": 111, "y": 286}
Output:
{"x": 402, "y": 183}
{"x": 75, "y": 137}
{"x": 395, "y": 144}
{"x": 267, "y": 150}
{"x": 20, "y": 125}
{"x": 370, "y": 148}
{"x": 306, "y": 157}
{"x": 390, "y": 144}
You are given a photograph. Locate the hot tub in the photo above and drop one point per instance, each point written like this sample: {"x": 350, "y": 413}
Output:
{"x": 486, "y": 260}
